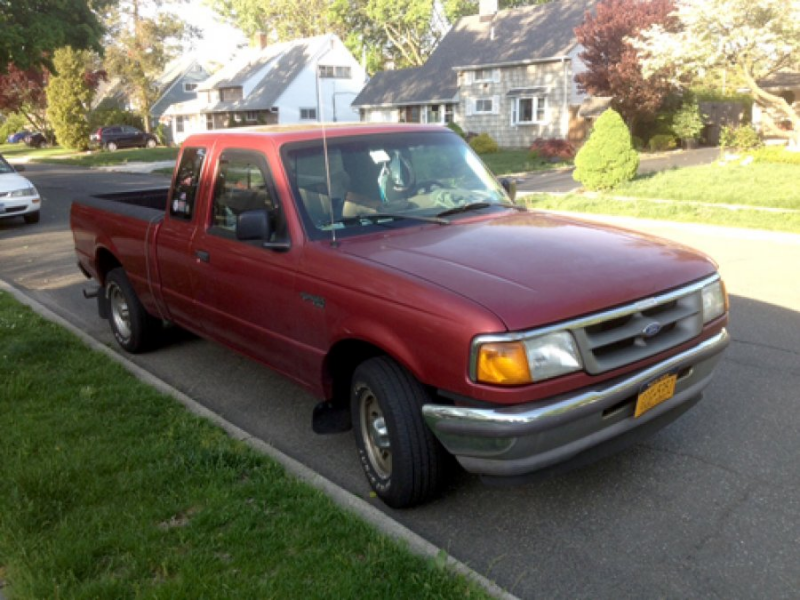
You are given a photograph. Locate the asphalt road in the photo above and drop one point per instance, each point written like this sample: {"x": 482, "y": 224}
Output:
{"x": 708, "y": 508}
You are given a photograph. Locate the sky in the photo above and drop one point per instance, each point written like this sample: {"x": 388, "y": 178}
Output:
{"x": 219, "y": 40}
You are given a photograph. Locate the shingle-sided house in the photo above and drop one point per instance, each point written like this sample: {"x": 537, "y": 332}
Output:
{"x": 509, "y": 73}
{"x": 306, "y": 80}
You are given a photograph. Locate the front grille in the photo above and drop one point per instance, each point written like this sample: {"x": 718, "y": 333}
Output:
{"x": 633, "y": 333}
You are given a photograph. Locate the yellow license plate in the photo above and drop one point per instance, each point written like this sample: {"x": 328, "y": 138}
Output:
{"x": 656, "y": 392}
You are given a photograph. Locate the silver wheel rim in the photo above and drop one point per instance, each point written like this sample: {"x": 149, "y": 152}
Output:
{"x": 375, "y": 434}
{"x": 120, "y": 313}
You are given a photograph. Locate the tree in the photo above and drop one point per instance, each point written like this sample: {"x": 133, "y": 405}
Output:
{"x": 608, "y": 157}
{"x": 455, "y": 9}
{"x": 31, "y": 31}
{"x": 69, "y": 95}
{"x": 753, "y": 39}
{"x": 23, "y": 92}
{"x": 140, "y": 47}
{"x": 613, "y": 65}
{"x": 279, "y": 18}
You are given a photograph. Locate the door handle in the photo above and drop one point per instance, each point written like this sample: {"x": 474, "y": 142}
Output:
{"x": 202, "y": 255}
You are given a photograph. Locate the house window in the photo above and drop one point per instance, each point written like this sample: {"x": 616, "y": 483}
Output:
{"x": 209, "y": 122}
{"x": 333, "y": 72}
{"x": 448, "y": 113}
{"x": 529, "y": 110}
{"x": 179, "y": 124}
{"x": 189, "y": 87}
{"x": 308, "y": 114}
{"x": 230, "y": 94}
{"x": 482, "y": 75}
{"x": 484, "y": 105}
{"x": 251, "y": 116}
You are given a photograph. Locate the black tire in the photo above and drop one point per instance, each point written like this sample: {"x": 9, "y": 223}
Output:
{"x": 33, "y": 217}
{"x": 133, "y": 327}
{"x": 402, "y": 459}
{"x": 111, "y": 146}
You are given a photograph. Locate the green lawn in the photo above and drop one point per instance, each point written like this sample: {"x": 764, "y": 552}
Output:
{"x": 694, "y": 195}
{"x": 102, "y": 158}
{"x": 109, "y": 489}
{"x": 16, "y": 151}
{"x": 761, "y": 184}
{"x": 506, "y": 162}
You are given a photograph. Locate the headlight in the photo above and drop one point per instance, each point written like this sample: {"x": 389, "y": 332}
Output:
{"x": 28, "y": 191}
{"x": 524, "y": 361}
{"x": 715, "y": 301}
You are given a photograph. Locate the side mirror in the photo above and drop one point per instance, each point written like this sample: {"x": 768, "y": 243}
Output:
{"x": 510, "y": 186}
{"x": 255, "y": 225}
{"x": 19, "y": 168}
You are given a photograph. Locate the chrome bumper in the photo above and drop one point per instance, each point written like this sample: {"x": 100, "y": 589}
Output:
{"x": 522, "y": 439}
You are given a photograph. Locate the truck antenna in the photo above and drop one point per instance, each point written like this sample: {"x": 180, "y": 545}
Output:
{"x": 325, "y": 150}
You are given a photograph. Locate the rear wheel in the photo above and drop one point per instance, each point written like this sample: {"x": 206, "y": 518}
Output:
{"x": 133, "y": 327}
{"x": 111, "y": 146}
{"x": 402, "y": 459}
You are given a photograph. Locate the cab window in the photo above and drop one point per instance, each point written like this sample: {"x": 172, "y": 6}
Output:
{"x": 243, "y": 184}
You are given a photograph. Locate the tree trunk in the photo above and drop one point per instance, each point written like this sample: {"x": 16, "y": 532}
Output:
{"x": 770, "y": 101}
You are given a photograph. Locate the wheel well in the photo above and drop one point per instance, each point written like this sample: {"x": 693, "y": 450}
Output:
{"x": 105, "y": 261}
{"x": 340, "y": 364}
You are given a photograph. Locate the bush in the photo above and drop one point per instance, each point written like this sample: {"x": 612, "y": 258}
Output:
{"x": 743, "y": 137}
{"x": 688, "y": 122}
{"x": 454, "y": 127}
{"x": 662, "y": 142}
{"x": 638, "y": 143}
{"x": 607, "y": 158}
{"x": 484, "y": 144}
{"x": 14, "y": 123}
{"x": 550, "y": 149}
{"x": 114, "y": 116}
{"x": 776, "y": 154}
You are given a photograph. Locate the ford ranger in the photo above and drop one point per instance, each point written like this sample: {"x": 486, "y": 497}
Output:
{"x": 386, "y": 271}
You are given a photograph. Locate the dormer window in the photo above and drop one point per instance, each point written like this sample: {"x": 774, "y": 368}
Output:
{"x": 334, "y": 72}
{"x": 189, "y": 87}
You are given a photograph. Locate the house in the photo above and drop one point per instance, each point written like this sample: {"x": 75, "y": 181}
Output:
{"x": 509, "y": 73}
{"x": 311, "y": 79}
{"x": 177, "y": 83}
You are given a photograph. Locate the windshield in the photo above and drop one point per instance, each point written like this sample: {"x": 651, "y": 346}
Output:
{"x": 5, "y": 167}
{"x": 387, "y": 180}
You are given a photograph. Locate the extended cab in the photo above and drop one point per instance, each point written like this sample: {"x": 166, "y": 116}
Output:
{"x": 386, "y": 271}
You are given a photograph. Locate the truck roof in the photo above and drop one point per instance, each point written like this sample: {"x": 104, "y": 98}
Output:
{"x": 302, "y": 132}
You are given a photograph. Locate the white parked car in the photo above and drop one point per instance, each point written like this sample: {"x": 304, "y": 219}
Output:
{"x": 18, "y": 196}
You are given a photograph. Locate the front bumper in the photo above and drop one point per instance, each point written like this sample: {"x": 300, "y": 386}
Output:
{"x": 518, "y": 440}
{"x": 19, "y": 206}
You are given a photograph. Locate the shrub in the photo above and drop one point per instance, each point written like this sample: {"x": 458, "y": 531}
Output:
{"x": 776, "y": 154}
{"x": 114, "y": 116}
{"x": 454, "y": 127}
{"x": 743, "y": 137}
{"x": 688, "y": 122}
{"x": 67, "y": 95}
{"x": 662, "y": 142}
{"x": 551, "y": 149}
{"x": 484, "y": 144}
{"x": 638, "y": 143}
{"x": 14, "y": 123}
{"x": 607, "y": 158}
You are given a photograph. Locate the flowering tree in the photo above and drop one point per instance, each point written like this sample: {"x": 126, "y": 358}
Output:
{"x": 755, "y": 39}
{"x": 612, "y": 62}
{"x": 23, "y": 92}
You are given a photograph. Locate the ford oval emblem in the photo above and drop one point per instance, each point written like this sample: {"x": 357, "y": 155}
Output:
{"x": 651, "y": 330}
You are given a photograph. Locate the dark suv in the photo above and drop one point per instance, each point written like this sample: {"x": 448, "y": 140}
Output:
{"x": 122, "y": 136}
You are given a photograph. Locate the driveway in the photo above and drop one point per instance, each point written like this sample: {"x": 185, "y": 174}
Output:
{"x": 707, "y": 508}
{"x": 561, "y": 181}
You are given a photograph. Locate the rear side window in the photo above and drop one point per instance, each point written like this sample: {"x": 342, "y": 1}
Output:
{"x": 185, "y": 186}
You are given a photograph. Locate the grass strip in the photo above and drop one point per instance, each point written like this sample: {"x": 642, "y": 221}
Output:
{"x": 685, "y": 212}
{"x": 109, "y": 489}
{"x": 101, "y": 158}
{"x": 505, "y": 162}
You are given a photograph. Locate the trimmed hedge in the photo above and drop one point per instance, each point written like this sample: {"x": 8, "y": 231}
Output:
{"x": 608, "y": 158}
{"x": 484, "y": 144}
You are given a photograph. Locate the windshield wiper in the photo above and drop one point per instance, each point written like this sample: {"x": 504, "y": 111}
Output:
{"x": 477, "y": 206}
{"x": 380, "y": 216}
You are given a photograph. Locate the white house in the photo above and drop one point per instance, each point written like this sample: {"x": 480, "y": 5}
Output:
{"x": 306, "y": 80}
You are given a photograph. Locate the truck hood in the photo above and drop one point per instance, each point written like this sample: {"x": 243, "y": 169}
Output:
{"x": 534, "y": 269}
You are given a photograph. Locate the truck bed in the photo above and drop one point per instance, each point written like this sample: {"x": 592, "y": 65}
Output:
{"x": 139, "y": 204}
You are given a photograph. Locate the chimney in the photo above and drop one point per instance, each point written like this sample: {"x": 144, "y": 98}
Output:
{"x": 259, "y": 40}
{"x": 487, "y": 9}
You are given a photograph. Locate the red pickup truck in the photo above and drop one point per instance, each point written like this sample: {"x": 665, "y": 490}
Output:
{"x": 385, "y": 270}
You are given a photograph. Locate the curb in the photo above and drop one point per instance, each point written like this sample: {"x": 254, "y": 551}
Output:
{"x": 341, "y": 497}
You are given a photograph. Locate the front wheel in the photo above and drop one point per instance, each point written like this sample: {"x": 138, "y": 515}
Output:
{"x": 111, "y": 147}
{"x": 402, "y": 459}
{"x": 151, "y": 143}
{"x": 133, "y": 327}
